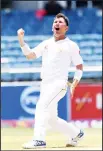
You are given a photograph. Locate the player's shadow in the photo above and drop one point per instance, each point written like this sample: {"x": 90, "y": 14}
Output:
{"x": 70, "y": 147}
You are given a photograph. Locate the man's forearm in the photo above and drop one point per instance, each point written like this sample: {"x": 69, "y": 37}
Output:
{"x": 21, "y": 41}
{"x": 25, "y": 48}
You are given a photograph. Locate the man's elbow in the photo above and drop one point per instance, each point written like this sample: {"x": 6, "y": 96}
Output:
{"x": 79, "y": 67}
{"x": 31, "y": 56}
{"x": 28, "y": 57}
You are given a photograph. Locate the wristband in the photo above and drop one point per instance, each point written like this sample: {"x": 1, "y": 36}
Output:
{"x": 25, "y": 49}
{"x": 78, "y": 74}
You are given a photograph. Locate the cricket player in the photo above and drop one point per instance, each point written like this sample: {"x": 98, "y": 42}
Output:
{"x": 57, "y": 54}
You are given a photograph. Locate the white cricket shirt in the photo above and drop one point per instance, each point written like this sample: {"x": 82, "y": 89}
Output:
{"x": 57, "y": 57}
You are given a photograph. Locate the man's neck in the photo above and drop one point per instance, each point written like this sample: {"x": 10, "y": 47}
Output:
{"x": 59, "y": 37}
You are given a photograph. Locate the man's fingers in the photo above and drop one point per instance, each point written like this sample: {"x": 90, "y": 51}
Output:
{"x": 71, "y": 92}
{"x": 71, "y": 88}
{"x": 20, "y": 31}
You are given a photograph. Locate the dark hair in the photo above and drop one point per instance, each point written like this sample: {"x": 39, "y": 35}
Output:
{"x": 63, "y": 16}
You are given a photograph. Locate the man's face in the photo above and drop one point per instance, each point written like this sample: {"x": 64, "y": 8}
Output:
{"x": 59, "y": 26}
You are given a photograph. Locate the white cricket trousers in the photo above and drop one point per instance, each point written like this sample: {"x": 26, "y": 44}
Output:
{"x": 47, "y": 111}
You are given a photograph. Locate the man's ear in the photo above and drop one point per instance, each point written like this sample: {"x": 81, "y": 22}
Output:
{"x": 67, "y": 28}
{"x": 52, "y": 28}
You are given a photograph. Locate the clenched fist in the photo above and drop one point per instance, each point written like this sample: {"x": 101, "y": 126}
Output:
{"x": 21, "y": 32}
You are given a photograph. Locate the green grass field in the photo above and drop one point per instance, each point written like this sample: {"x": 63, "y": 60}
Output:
{"x": 13, "y": 138}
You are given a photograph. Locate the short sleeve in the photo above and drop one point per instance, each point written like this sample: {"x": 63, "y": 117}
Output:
{"x": 75, "y": 55}
{"x": 38, "y": 50}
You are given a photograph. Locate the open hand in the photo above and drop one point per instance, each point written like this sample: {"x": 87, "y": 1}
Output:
{"x": 72, "y": 89}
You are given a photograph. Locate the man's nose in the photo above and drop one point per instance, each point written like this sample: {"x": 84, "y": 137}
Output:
{"x": 57, "y": 23}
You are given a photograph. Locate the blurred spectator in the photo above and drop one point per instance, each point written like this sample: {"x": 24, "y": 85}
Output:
{"x": 81, "y": 3}
{"x": 40, "y": 13}
{"x": 52, "y": 7}
{"x": 98, "y": 3}
{"x": 6, "y": 4}
{"x": 69, "y": 3}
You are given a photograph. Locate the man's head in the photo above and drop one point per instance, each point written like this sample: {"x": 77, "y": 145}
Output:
{"x": 60, "y": 25}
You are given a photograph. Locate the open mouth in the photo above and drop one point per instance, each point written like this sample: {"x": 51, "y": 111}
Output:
{"x": 57, "y": 28}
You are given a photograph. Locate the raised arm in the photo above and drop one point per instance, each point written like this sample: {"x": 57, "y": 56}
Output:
{"x": 25, "y": 48}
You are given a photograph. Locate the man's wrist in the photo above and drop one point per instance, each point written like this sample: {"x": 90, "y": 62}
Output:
{"x": 78, "y": 74}
{"x": 21, "y": 41}
{"x": 22, "y": 44}
{"x": 75, "y": 83}
{"x": 25, "y": 49}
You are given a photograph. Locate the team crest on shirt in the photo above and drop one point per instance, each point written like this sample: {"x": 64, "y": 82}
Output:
{"x": 59, "y": 49}
{"x": 46, "y": 47}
